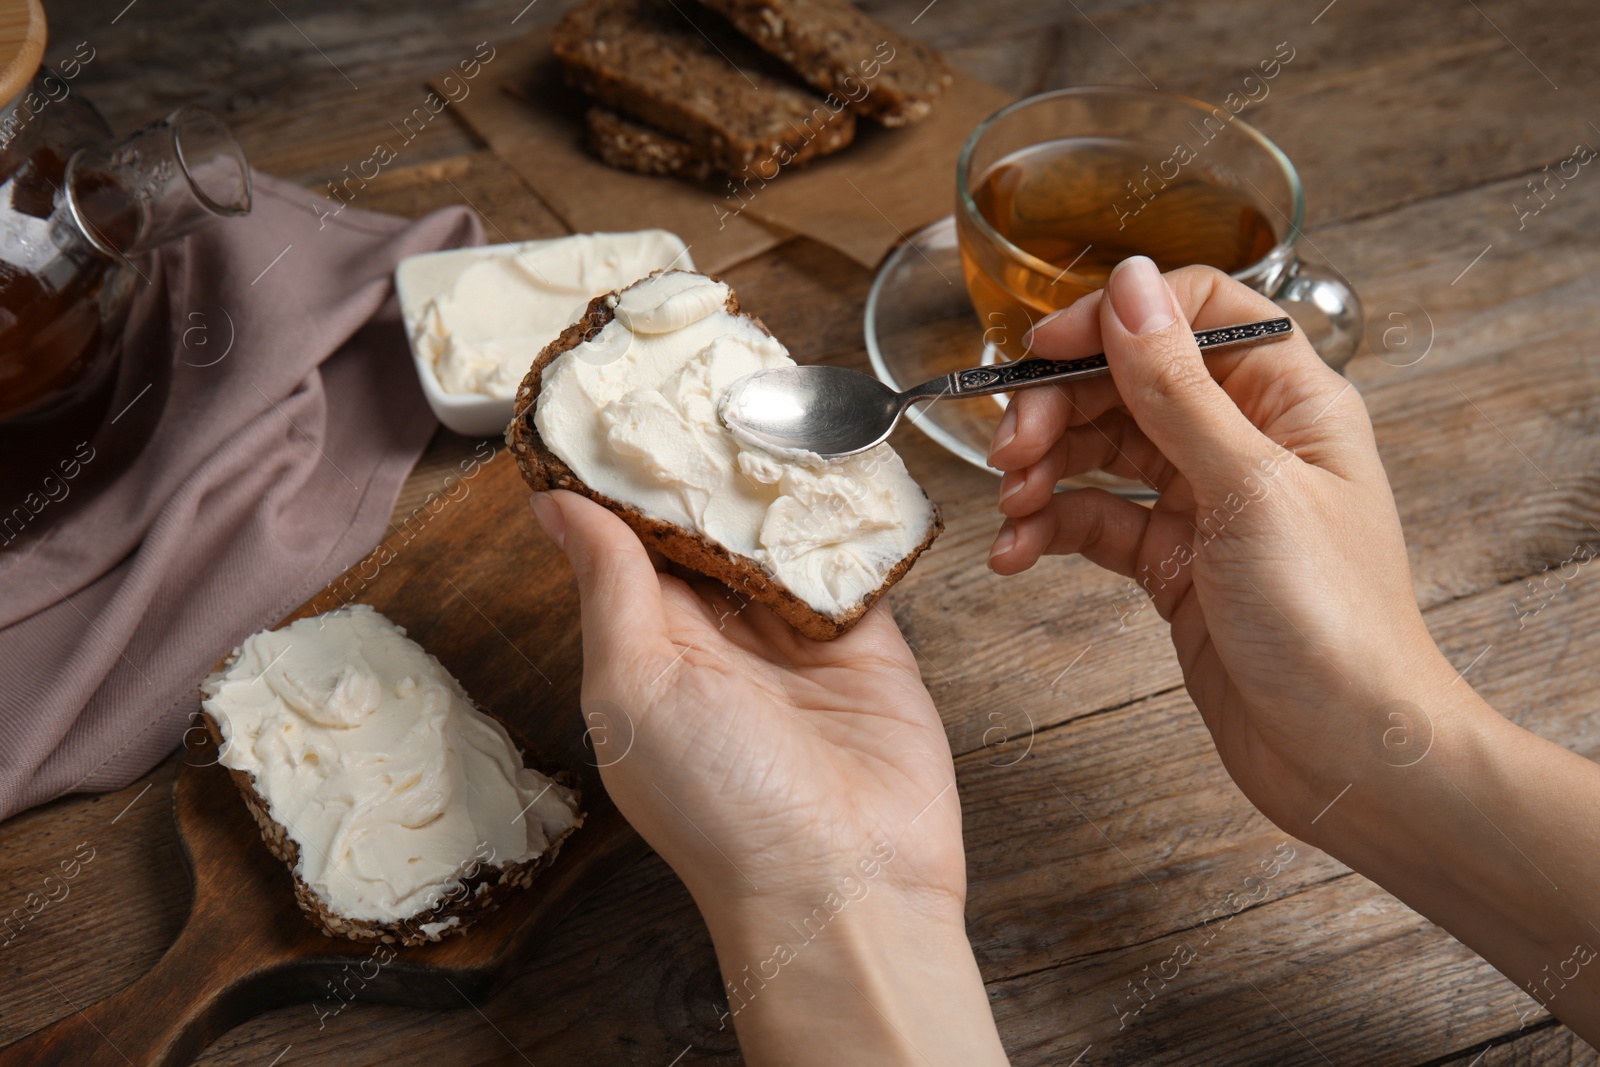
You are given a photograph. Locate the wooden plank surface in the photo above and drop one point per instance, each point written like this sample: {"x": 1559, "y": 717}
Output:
{"x": 1416, "y": 128}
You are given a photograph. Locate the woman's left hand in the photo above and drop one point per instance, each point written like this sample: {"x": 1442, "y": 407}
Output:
{"x": 803, "y": 791}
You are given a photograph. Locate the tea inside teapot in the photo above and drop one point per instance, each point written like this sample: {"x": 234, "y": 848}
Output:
{"x": 80, "y": 213}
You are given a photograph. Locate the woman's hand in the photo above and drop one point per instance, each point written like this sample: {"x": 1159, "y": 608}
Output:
{"x": 1275, "y": 552}
{"x": 1274, "y": 549}
{"x": 803, "y": 791}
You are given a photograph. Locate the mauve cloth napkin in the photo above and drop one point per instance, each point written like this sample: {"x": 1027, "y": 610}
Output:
{"x": 272, "y": 470}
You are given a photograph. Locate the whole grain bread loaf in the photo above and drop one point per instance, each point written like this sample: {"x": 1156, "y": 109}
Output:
{"x": 543, "y": 470}
{"x": 681, "y": 69}
{"x": 845, "y": 52}
{"x": 627, "y": 145}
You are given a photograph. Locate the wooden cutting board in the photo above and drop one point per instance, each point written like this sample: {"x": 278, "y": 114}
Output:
{"x": 470, "y": 577}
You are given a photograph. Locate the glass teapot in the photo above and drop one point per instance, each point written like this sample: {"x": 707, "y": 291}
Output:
{"x": 84, "y": 368}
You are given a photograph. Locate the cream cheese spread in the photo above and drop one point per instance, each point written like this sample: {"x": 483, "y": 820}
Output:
{"x": 633, "y": 412}
{"x": 483, "y": 328}
{"x": 373, "y": 758}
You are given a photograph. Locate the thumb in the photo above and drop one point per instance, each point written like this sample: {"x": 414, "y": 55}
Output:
{"x": 618, "y": 588}
{"x": 1165, "y": 383}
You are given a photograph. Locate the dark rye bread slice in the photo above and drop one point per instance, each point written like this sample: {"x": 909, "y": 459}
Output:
{"x": 842, "y": 50}
{"x": 484, "y": 886}
{"x": 544, "y": 470}
{"x": 629, "y": 145}
{"x": 697, "y": 81}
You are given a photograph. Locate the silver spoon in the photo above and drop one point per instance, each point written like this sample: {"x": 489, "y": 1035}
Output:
{"x": 835, "y": 412}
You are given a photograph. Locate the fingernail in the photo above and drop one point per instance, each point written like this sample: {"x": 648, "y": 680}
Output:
{"x": 1011, "y": 484}
{"x": 1003, "y": 541}
{"x": 1139, "y": 296}
{"x": 1006, "y": 432}
{"x": 548, "y": 512}
{"x": 1027, "y": 338}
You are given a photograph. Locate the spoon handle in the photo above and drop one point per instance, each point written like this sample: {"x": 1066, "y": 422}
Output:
{"x": 1004, "y": 377}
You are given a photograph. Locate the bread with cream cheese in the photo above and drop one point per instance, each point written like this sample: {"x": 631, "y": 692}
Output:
{"x": 482, "y": 889}
{"x": 281, "y": 749}
{"x": 694, "y": 548}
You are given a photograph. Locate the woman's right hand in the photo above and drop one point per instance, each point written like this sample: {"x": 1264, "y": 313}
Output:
{"x": 1274, "y": 550}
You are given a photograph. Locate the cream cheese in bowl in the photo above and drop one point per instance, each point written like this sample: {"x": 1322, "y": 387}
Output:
{"x": 477, "y": 317}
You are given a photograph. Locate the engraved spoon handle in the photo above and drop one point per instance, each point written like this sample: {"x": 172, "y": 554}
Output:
{"x": 1004, "y": 377}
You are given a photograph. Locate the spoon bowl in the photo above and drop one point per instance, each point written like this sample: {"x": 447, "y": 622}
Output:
{"x": 827, "y": 410}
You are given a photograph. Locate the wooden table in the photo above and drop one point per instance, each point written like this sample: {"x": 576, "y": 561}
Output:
{"x": 1100, "y": 826}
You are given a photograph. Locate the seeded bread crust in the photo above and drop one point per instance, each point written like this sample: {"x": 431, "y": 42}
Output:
{"x": 629, "y": 145}
{"x": 482, "y": 892}
{"x": 834, "y": 45}
{"x": 544, "y": 470}
{"x": 697, "y": 81}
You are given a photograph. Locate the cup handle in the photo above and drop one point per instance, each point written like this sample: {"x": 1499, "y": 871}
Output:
{"x": 1326, "y": 308}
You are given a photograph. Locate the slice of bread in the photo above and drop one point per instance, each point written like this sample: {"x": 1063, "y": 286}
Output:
{"x": 679, "y": 68}
{"x": 842, "y": 50}
{"x": 544, "y": 470}
{"x": 629, "y": 145}
{"x": 482, "y": 887}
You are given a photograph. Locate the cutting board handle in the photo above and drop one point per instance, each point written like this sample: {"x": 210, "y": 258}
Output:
{"x": 192, "y": 995}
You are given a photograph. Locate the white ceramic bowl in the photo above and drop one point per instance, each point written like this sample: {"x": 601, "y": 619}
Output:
{"x": 417, "y": 280}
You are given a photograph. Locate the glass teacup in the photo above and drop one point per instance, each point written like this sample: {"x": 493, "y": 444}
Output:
{"x": 1211, "y": 167}
{"x": 1055, "y": 190}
